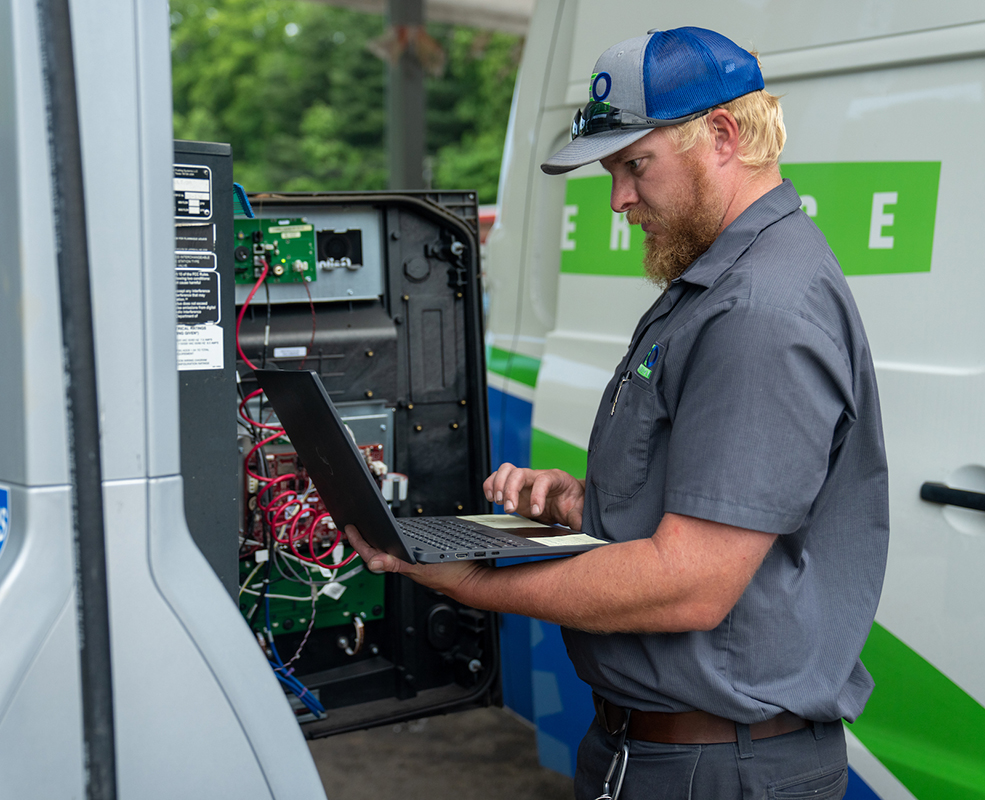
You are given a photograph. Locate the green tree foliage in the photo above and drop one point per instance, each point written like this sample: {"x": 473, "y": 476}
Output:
{"x": 292, "y": 86}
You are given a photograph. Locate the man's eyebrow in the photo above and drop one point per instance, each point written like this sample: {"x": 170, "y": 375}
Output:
{"x": 620, "y": 158}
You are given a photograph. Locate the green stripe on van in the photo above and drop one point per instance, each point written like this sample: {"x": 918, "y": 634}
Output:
{"x": 924, "y": 728}
{"x": 878, "y": 217}
{"x": 516, "y": 367}
{"x": 549, "y": 452}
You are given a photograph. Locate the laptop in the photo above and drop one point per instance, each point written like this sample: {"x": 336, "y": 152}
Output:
{"x": 351, "y": 495}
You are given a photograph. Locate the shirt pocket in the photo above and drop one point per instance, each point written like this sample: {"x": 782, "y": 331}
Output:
{"x": 623, "y": 444}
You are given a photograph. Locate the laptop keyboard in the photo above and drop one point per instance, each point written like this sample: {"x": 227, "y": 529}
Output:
{"x": 448, "y": 534}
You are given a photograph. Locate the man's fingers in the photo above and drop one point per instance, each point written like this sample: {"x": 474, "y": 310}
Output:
{"x": 539, "y": 492}
{"x": 516, "y": 483}
{"x": 493, "y": 484}
{"x": 498, "y": 481}
{"x": 375, "y": 560}
{"x": 487, "y": 487}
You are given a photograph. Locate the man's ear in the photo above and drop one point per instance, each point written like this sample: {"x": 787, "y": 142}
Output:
{"x": 725, "y": 134}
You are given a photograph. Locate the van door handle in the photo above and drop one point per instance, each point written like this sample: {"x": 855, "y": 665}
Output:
{"x": 945, "y": 495}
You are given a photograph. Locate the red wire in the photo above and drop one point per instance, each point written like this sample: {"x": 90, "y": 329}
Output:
{"x": 242, "y": 311}
{"x": 249, "y": 420}
{"x": 283, "y": 504}
{"x": 276, "y": 507}
{"x": 282, "y": 509}
{"x": 311, "y": 542}
{"x": 292, "y": 536}
{"x": 310, "y": 533}
{"x": 257, "y": 446}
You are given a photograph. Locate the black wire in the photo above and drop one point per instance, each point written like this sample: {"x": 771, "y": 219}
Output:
{"x": 266, "y": 334}
{"x": 79, "y": 359}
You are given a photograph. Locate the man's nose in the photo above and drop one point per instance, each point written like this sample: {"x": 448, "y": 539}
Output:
{"x": 624, "y": 195}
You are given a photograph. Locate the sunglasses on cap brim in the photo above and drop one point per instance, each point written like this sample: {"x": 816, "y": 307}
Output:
{"x": 597, "y": 117}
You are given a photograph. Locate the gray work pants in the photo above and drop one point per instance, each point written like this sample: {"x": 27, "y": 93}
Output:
{"x": 807, "y": 763}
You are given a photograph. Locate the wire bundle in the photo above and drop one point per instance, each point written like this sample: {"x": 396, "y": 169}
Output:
{"x": 285, "y": 513}
{"x": 285, "y": 675}
{"x": 287, "y": 527}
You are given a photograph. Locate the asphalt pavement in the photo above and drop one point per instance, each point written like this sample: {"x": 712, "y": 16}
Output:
{"x": 484, "y": 754}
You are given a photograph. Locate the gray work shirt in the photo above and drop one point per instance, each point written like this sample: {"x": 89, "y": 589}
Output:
{"x": 748, "y": 397}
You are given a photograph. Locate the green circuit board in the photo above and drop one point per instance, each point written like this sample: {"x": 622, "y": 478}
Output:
{"x": 287, "y": 244}
{"x": 359, "y": 594}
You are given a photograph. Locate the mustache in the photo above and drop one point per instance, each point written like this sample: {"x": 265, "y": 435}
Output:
{"x": 640, "y": 215}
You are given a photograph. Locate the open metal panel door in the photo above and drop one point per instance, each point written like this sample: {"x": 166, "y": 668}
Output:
{"x": 380, "y": 295}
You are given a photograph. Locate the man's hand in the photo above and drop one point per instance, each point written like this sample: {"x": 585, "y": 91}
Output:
{"x": 452, "y": 579}
{"x": 547, "y": 495}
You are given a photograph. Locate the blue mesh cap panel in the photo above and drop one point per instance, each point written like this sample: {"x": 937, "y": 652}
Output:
{"x": 687, "y": 70}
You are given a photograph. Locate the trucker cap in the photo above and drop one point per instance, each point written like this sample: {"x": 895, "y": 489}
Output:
{"x": 661, "y": 79}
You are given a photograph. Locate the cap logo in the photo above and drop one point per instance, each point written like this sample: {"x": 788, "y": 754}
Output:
{"x": 601, "y": 86}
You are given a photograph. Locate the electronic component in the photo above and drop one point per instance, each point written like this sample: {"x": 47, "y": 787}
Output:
{"x": 287, "y": 245}
{"x": 308, "y": 585}
{"x": 340, "y": 249}
{"x": 348, "y": 254}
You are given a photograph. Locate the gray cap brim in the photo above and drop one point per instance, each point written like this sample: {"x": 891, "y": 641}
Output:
{"x": 586, "y": 149}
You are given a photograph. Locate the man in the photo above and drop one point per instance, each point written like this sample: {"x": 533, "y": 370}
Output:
{"x": 736, "y": 461}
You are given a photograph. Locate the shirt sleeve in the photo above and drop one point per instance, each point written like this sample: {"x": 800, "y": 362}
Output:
{"x": 761, "y": 395}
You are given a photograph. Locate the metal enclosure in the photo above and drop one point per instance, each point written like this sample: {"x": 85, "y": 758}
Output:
{"x": 389, "y": 315}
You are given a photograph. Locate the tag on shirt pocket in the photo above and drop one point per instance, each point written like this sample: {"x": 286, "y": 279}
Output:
{"x": 645, "y": 368}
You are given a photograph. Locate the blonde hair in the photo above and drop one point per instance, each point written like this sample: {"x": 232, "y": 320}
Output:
{"x": 761, "y": 131}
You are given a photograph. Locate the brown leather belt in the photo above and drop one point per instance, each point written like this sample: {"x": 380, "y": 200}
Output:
{"x": 687, "y": 727}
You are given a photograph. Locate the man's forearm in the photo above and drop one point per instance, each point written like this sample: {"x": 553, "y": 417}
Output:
{"x": 686, "y": 577}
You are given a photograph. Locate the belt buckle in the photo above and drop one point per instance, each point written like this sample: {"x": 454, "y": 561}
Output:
{"x": 611, "y": 718}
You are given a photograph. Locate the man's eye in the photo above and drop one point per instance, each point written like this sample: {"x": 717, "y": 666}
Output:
{"x": 633, "y": 164}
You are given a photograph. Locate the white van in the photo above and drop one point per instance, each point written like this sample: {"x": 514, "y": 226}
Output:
{"x": 884, "y": 104}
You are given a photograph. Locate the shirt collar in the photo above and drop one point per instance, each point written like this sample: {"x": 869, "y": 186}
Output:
{"x": 740, "y": 234}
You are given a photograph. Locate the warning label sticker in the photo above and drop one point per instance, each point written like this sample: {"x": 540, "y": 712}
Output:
{"x": 192, "y": 192}
{"x": 186, "y": 259}
{"x": 197, "y": 296}
{"x": 199, "y": 347}
{"x": 195, "y": 237}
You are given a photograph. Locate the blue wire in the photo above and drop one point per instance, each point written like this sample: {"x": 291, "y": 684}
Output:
{"x": 297, "y": 688}
{"x": 277, "y": 664}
